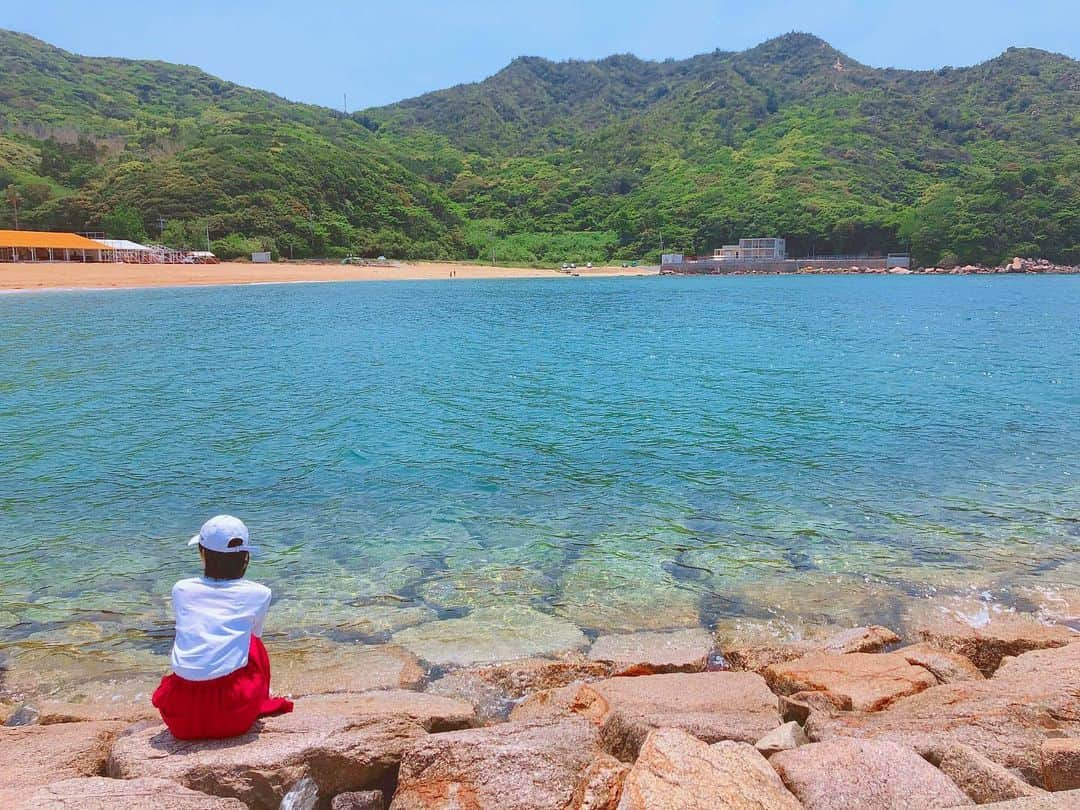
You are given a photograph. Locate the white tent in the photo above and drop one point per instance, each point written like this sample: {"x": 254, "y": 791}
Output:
{"x": 124, "y": 244}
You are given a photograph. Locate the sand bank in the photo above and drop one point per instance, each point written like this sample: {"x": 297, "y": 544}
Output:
{"x": 60, "y": 275}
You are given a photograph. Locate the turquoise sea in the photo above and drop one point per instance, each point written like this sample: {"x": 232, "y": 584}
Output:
{"x": 619, "y": 453}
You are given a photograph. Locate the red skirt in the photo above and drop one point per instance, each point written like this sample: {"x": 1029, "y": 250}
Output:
{"x": 224, "y": 707}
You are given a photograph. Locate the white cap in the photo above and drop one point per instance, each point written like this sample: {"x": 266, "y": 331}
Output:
{"x": 217, "y": 532}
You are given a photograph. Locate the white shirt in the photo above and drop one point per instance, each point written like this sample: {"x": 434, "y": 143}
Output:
{"x": 215, "y": 619}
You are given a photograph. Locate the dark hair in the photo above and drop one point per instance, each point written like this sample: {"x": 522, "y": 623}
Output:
{"x": 225, "y": 564}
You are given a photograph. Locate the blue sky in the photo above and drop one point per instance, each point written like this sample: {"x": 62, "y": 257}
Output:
{"x": 379, "y": 52}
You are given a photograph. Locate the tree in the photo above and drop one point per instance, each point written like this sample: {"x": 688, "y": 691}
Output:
{"x": 124, "y": 222}
{"x": 14, "y": 199}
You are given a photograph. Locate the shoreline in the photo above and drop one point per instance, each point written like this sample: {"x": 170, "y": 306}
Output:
{"x": 63, "y": 276}
{"x": 980, "y": 711}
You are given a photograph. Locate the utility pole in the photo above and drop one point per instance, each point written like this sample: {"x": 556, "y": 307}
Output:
{"x": 161, "y": 229}
{"x": 208, "y": 238}
{"x": 493, "y": 247}
{"x": 661, "y": 242}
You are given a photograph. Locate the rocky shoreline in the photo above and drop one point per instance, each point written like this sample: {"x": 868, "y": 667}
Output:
{"x": 1018, "y": 265}
{"x": 950, "y": 716}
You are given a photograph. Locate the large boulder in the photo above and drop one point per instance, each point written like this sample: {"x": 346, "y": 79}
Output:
{"x": 982, "y": 634}
{"x": 520, "y": 678}
{"x": 34, "y": 756}
{"x": 147, "y": 793}
{"x": 549, "y": 704}
{"x": 1051, "y": 801}
{"x": 676, "y": 771}
{"x": 343, "y": 742}
{"x": 653, "y": 653}
{"x": 865, "y": 775}
{"x": 1030, "y": 699}
{"x": 947, "y": 667}
{"x": 50, "y": 712}
{"x": 434, "y": 713}
{"x": 1061, "y": 763}
{"x": 861, "y": 681}
{"x": 493, "y": 690}
{"x": 712, "y": 706}
{"x": 491, "y": 634}
{"x": 982, "y": 779}
{"x": 512, "y": 766}
{"x": 756, "y": 654}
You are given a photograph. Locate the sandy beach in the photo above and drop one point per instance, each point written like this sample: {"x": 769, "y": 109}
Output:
{"x": 62, "y": 275}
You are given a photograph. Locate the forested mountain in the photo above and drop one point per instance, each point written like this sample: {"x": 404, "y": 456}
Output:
{"x": 572, "y": 160}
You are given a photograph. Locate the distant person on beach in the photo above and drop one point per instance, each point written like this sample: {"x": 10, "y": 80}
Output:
{"x": 220, "y": 683}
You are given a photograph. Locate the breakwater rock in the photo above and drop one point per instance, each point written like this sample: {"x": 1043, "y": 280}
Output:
{"x": 850, "y": 718}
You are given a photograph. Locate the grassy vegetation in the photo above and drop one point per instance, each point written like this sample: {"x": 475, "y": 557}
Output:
{"x": 548, "y": 162}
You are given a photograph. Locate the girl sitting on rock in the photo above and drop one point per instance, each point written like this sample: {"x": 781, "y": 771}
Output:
{"x": 221, "y": 673}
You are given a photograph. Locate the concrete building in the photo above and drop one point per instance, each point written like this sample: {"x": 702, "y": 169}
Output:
{"x": 756, "y": 248}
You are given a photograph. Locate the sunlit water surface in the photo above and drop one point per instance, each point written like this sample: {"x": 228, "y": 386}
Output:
{"x": 619, "y": 453}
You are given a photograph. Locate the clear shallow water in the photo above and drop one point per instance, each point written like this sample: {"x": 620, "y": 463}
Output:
{"x": 623, "y": 453}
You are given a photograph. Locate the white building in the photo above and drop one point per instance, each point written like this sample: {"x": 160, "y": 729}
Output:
{"x": 757, "y": 248}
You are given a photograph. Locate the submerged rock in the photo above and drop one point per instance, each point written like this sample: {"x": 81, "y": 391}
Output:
{"x": 652, "y": 653}
{"x": 861, "y": 681}
{"x": 713, "y": 706}
{"x": 334, "y": 613}
{"x": 487, "y": 584}
{"x": 612, "y": 594}
{"x": 818, "y": 599}
{"x": 676, "y": 771}
{"x": 489, "y": 635}
{"x": 34, "y": 756}
{"x": 512, "y": 766}
{"x": 316, "y": 666}
{"x": 147, "y": 793}
{"x": 864, "y": 775}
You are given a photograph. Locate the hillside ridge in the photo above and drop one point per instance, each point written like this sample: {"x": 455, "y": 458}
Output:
{"x": 560, "y": 160}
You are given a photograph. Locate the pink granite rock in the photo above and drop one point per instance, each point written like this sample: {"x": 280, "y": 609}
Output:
{"x": 676, "y": 771}
{"x": 513, "y": 766}
{"x": 32, "y": 757}
{"x": 1006, "y": 718}
{"x": 865, "y": 775}
{"x": 1061, "y": 763}
{"x": 99, "y": 793}
{"x": 861, "y": 681}
{"x": 712, "y": 706}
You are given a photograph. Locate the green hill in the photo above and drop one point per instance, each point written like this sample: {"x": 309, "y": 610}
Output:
{"x": 563, "y": 161}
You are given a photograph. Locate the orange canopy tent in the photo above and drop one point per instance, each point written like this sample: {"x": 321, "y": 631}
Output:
{"x": 38, "y": 245}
